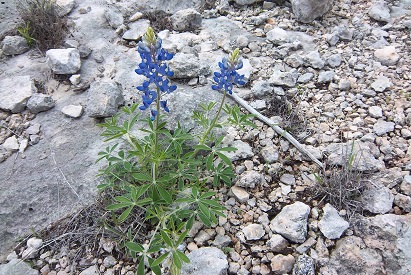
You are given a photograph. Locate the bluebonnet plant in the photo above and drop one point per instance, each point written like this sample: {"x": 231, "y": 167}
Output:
{"x": 228, "y": 74}
{"x": 156, "y": 70}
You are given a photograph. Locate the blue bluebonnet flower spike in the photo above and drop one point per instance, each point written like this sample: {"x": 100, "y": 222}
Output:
{"x": 155, "y": 69}
{"x": 228, "y": 75}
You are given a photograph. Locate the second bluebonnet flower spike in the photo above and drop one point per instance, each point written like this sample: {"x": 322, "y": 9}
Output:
{"x": 155, "y": 69}
{"x": 228, "y": 75}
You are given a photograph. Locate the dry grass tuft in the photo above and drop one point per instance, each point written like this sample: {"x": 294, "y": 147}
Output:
{"x": 43, "y": 24}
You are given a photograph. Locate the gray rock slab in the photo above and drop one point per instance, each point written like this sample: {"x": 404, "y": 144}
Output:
{"x": 206, "y": 261}
{"x": 331, "y": 224}
{"x": 114, "y": 17}
{"x": 15, "y": 92}
{"x": 57, "y": 177}
{"x": 17, "y": 267}
{"x": 308, "y": 10}
{"x": 64, "y": 61}
{"x": 13, "y": 45}
{"x": 292, "y": 222}
{"x": 364, "y": 159}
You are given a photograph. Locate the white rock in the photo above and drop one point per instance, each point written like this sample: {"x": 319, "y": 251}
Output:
{"x": 291, "y": 222}
{"x": 206, "y": 261}
{"x": 74, "y": 111}
{"x": 387, "y": 56}
{"x": 381, "y": 84}
{"x": 23, "y": 145}
{"x": 240, "y": 194}
{"x": 15, "y": 92}
{"x": 75, "y": 79}
{"x": 382, "y": 127}
{"x": 136, "y": 30}
{"x": 11, "y": 144}
{"x": 278, "y": 36}
{"x": 64, "y": 61}
{"x": 331, "y": 224}
{"x": 13, "y": 45}
{"x": 375, "y": 111}
{"x": 377, "y": 200}
{"x": 253, "y": 231}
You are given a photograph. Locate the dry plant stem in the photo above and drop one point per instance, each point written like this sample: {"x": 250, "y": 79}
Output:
{"x": 276, "y": 128}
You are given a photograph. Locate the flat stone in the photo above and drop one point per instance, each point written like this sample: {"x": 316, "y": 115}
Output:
{"x": 240, "y": 193}
{"x": 278, "y": 36}
{"x": 331, "y": 224}
{"x": 326, "y": 76}
{"x": 313, "y": 59}
{"x": 270, "y": 154}
{"x": 288, "y": 179}
{"x": 104, "y": 99}
{"x": 15, "y": 92}
{"x": 379, "y": 11}
{"x": 206, "y": 261}
{"x": 186, "y": 20}
{"x": 277, "y": 243}
{"x": 375, "y": 111}
{"x": 253, "y": 231}
{"x": 74, "y": 111}
{"x": 64, "y": 61}
{"x": 382, "y": 127}
{"x": 40, "y": 103}
{"x": 291, "y": 222}
{"x": 11, "y": 144}
{"x": 381, "y": 84}
{"x": 307, "y": 11}
{"x": 388, "y": 55}
{"x": 281, "y": 264}
{"x": 250, "y": 179}
{"x": 136, "y": 30}
{"x": 288, "y": 79}
{"x": 187, "y": 66}
{"x": 244, "y": 151}
{"x": 114, "y": 17}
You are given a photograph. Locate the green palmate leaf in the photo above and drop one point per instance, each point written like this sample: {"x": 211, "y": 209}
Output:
{"x": 125, "y": 214}
{"x": 127, "y": 166}
{"x": 177, "y": 260}
{"x": 122, "y": 199}
{"x": 207, "y": 195}
{"x": 204, "y": 209}
{"x": 209, "y": 162}
{"x": 219, "y": 140}
{"x": 144, "y": 202}
{"x": 140, "y": 268}
{"x": 136, "y": 247}
{"x": 204, "y": 219}
{"x": 183, "y": 257}
{"x": 182, "y": 236}
{"x": 224, "y": 158}
{"x": 159, "y": 260}
{"x": 117, "y": 206}
{"x": 166, "y": 238}
{"x": 202, "y": 147}
{"x": 142, "y": 177}
{"x": 164, "y": 194}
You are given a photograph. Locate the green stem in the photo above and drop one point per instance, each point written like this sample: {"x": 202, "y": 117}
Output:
{"x": 154, "y": 164}
{"x": 213, "y": 123}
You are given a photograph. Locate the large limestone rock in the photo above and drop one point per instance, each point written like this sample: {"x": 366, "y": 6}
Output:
{"x": 15, "y": 92}
{"x": 64, "y": 61}
{"x": 206, "y": 261}
{"x": 308, "y": 10}
{"x": 17, "y": 267}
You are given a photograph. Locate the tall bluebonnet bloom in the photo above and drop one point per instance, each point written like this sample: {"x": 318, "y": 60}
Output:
{"x": 228, "y": 75}
{"x": 156, "y": 70}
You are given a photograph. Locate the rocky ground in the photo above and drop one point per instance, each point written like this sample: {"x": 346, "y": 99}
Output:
{"x": 339, "y": 83}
